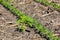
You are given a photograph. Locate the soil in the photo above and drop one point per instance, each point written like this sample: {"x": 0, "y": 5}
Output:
{"x": 46, "y": 15}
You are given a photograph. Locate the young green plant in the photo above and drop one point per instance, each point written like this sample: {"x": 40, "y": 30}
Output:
{"x": 29, "y": 21}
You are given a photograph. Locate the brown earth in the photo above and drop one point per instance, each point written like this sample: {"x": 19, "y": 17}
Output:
{"x": 47, "y": 16}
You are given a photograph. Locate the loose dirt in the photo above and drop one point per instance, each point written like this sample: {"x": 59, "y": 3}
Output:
{"x": 46, "y": 15}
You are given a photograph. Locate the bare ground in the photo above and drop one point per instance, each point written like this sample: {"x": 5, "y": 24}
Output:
{"x": 47, "y": 16}
{"x": 8, "y": 28}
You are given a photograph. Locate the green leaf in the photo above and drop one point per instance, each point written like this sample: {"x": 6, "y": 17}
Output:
{"x": 30, "y": 24}
{"x": 18, "y": 22}
{"x": 22, "y": 28}
{"x": 23, "y": 18}
{"x": 29, "y": 19}
{"x": 11, "y": 1}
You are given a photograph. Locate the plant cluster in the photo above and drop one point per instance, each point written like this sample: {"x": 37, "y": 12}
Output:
{"x": 25, "y": 19}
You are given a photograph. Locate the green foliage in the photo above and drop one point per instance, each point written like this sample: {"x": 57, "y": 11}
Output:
{"x": 54, "y": 5}
{"x": 11, "y": 1}
{"x": 29, "y": 20}
{"x": 22, "y": 28}
{"x": 18, "y": 22}
{"x": 0, "y": 1}
{"x": 23, "y": 18}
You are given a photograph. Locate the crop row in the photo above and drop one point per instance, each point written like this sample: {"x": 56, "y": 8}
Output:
{"x": 29, "y": 21}
{"x": 47, "y": 3}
